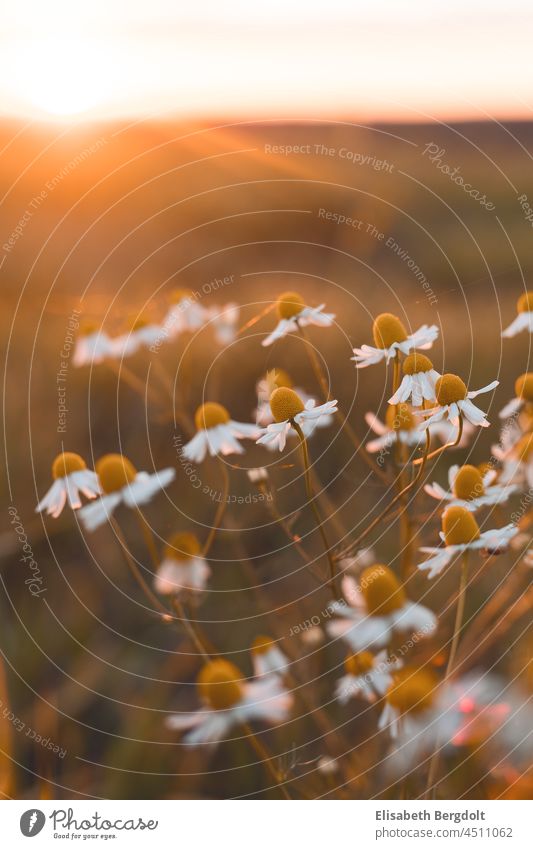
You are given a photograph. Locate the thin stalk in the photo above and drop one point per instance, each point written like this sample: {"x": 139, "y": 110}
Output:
{"x": 444, "y": 447}
{"x": 199, "y": 640}
{"x": 293, "y": 538}
{"x": 394, "y": 501}
{"x": 134, "y": 382}
{"x": 432, "y": 784}
{"x": 7, "y": 764}
{"x": 263, "y": 754}
{"x": 148, "y": 538}
{"x": 314, "y": 508}
{"x": 136, "y": 572}
{"x": 220, "y": 511}
{"x": 345, "y": 424}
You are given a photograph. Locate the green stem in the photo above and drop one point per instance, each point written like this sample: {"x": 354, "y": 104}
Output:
{"x": 447, "y": 445}
{"x": 263, "y": 754}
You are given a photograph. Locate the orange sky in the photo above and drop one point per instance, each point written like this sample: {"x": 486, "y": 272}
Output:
{"x": 379, "y": 60}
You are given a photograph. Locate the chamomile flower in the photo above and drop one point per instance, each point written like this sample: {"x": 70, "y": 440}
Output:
{"x": 454, "y": 400}
{"x": 460, "y": 533}
{"x": 288, "y": 408}
{"x": 390, "y": 337}
{"x": 185, "y": 313}
{"x": 71, "y": 476}
{"x": 517, "y": 460}
{"x": 276, "y": 379}
{"x": 121, "y": 483}
{"x": 366, "y": 675}
{"x": 524, "y": 396}
{"x": 93, "y": 346}
{"x": 224, "y": 321}
{"x": 470, "y": 488}
{"x": 293, "y": 313}
{"x": 217, "y": 433}
{"x": 228, "y": 700}
{"x": 377, "y": 610}
{"x": 183, "y": 570}
{"x": 267, "y": 657}
{"x": 418, "y": 383}
{"x": 142, "y": 334}
{"x": 411, "y": 706}
{"x": 400, "y": 426}
{"x": 524, "y": 319}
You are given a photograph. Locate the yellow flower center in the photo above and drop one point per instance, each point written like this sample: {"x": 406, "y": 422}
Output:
{"x": 524, "y": 448}
{"x": 459, "y": 526}
{"x": 412, "y": 690}
{"x": 66, "y": 463}
{"x": 220, "y": 684}
{"x": 468, "y": 483}
{"x": 210, "y": 415}
{"x": 115, "y": 472}
{"x": 388, "y": 329}
{"x": 381, "y": 590}
{"x": 415, "y": 363}
{"x": 400, "y": 417}
{"x": 285, "y": 404}
{"x": 524, "y": 387}
{"x": 262, "y": 644}
{"x": 177, "y": 295}
{"x": 449, "y": 389}
{"x": 289, "y": 304}
{"x": 525, "y": 302}
{"x": 182, "y": 546}
{"x": 359, "y": 663}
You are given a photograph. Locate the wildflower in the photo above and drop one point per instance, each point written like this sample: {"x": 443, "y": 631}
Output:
{"x": 288, "y": 408}
{"x": 71, "y": 476}
{"x": 183, "y": 569}
{"x": 93, "y": 345}
{"x": 228, "y": 700}
{"x": 378, "y": 608}
{"x": 142, "y": 334}
{"x": 460, "y": 532}
{"x": 524, "y": 395}
{"x": 470, "y": 488}
{"x": 257, "y": 476}
{"x": 185, "y": 313}
{"x": 293, "y": 313}
{"x": 277, "y": 379}
{"x": 418, "y": 383}
{"x": 122, "y": 483}
{"x": 400, "y": 426}
{"x": 267, "y": 657}
{"x": 367, "y": 675}
{"x": 217, "y": 433}
{"x": 453, "y": 401}
{"x": 410, "y": 704}
{"x": 224, "y": 322}
{"x": 390, "y": 337}
{"x": 524, "y": 319}
{"x": 327, "y": 765}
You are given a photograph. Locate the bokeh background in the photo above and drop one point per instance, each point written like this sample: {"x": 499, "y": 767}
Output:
{"x": 106, "y": 217}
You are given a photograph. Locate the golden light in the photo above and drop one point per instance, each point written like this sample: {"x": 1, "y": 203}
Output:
{"x": 63, "y": 77}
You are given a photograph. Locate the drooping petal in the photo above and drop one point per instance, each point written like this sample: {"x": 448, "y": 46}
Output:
{"x": 95, "y": 514}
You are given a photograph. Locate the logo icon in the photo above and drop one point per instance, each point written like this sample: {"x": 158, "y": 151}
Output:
{"x": 32, "y": 822}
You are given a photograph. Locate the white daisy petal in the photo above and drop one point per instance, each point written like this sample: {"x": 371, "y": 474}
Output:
{"x": 523, "y": 321}
{"x": 512, "y": 407}
{"x": 95, "y": 514}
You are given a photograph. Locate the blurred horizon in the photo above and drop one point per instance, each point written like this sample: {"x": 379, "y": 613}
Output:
{"x": 286, "y": 60}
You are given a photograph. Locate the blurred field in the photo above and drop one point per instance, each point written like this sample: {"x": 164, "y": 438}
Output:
{"x": 110, "y": 220}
